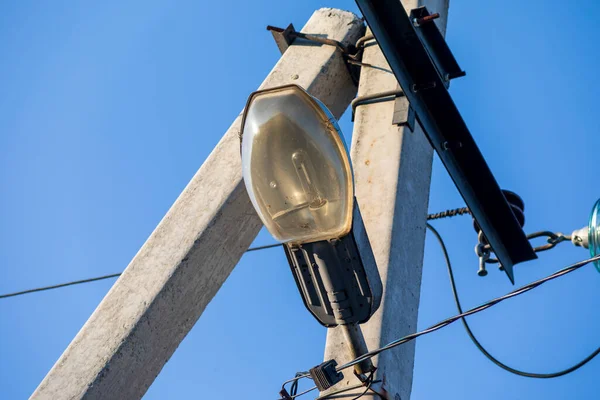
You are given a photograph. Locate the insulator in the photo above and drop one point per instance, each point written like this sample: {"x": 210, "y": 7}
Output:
{"x": 517, "y": 206}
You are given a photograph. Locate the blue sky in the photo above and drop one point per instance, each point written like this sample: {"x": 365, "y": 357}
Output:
{"x": 108, "y": 108}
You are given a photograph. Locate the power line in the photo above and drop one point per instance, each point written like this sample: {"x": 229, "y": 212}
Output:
{"x": 41, "y": 289}
{"x": 472, "y": 311}
{"x": 269, "y": 246}
{"x": 449, "y": 213}
{"x": 336, "y": 394}
{"x": 480, "y": 346}
{"x": 100, "y": 278}
{"x": 455, "y": 318}
{"x": 443, "y": 214}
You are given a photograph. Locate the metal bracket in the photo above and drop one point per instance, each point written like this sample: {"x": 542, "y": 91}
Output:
{"x": 283, "y": 37}
{"x": 435, "y": 44}
{"x": 415, "y": 52}
{"x": 404, "y": 115}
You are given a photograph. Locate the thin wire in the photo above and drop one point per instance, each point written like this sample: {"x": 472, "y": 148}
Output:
{"x": 370, "y": 379}
{"x": 347, "y": 389}
{"x": 444, "y": 214}
{"x": 294, "y": 387}
{"x": 99, "y": 278}
{"x": 303, "y": 393}
{"x": 472, "y": 311}
{"x": 480, "y": 346}
{"x": 296, "y": 378}
{"x": 449, "y": 213}
{"x": 269, "y": 246}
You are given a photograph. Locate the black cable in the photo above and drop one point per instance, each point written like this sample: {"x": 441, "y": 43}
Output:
{"x": 294, "y": 387}
{"x": 448, "y": 321}
{"x": 303, "y": 393}
{"x": 269, "y": 246}
{"x": 99, "y": 278}
{"x": 449, "y": 213}
{"x": 480, "y": 346}
{"x": 472, "y": 311}
{"x": 370, "y": 380}
{"x": 443, "y": 214}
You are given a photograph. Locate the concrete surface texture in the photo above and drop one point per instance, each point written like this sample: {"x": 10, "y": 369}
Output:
{"x": 138, "y": 325}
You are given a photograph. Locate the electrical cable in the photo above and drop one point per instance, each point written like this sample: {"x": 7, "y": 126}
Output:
{"x": 41, "y": 289}
{"x": 303, "y": 393}
{"x": 443, "y": 214}
{"x": 294, "y": 387}
{"x": 99, "y": 278}
{"x": 449, "y": 213}
{"x": 480, "y": 346}
{"x": 471, "y": 311}
{"x": 475, "y": 310}
{"x": 347, "y": 389}
{"x": 370, "y": 382}
{"x": 269, "y": 246}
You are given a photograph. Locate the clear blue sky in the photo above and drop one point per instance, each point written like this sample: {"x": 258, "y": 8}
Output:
{"x": 108, "y": 108}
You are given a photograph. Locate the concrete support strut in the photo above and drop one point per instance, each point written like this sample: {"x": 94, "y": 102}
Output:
{"x": 392, "y": 171}
{"x": 138, "y": 325}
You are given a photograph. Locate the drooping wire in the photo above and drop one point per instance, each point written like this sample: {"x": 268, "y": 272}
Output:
{"x": 99, "y": 278}
{"x": 471, "y": 311}
{"x": 480, "y": 346}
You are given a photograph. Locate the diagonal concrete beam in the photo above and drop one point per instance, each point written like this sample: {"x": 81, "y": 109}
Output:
{"x": 138, "y": 325}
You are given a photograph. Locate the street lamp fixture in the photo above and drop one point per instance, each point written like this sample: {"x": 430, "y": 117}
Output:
{"x": 298, "y": 175}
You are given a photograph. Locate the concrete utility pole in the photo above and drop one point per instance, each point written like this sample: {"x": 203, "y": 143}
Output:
{"x": 392, "y": 171}
{"x": 138, "y": 325}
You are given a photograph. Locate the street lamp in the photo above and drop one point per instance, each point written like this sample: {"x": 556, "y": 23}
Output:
{"x": 589, "y": 236}
{"x": 299, "y": 178}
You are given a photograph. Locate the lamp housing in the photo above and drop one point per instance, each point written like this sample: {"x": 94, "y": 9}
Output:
{"x": 298, "y": 175}
{"x": 295, "y": 166}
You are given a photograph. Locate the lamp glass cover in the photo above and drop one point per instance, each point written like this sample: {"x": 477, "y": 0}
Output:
{"x": 594, "y": 233}
{"x": 296, "y": 166}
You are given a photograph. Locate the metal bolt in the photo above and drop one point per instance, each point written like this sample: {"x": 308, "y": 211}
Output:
{"x": 482, "y": 271}
{"x": 428, "y": 18}
{"x": 451, "y": 145}
{"x": 295, "y": 76}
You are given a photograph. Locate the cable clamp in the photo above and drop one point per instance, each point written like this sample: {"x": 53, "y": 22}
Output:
{"x": 325, "y": 375}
